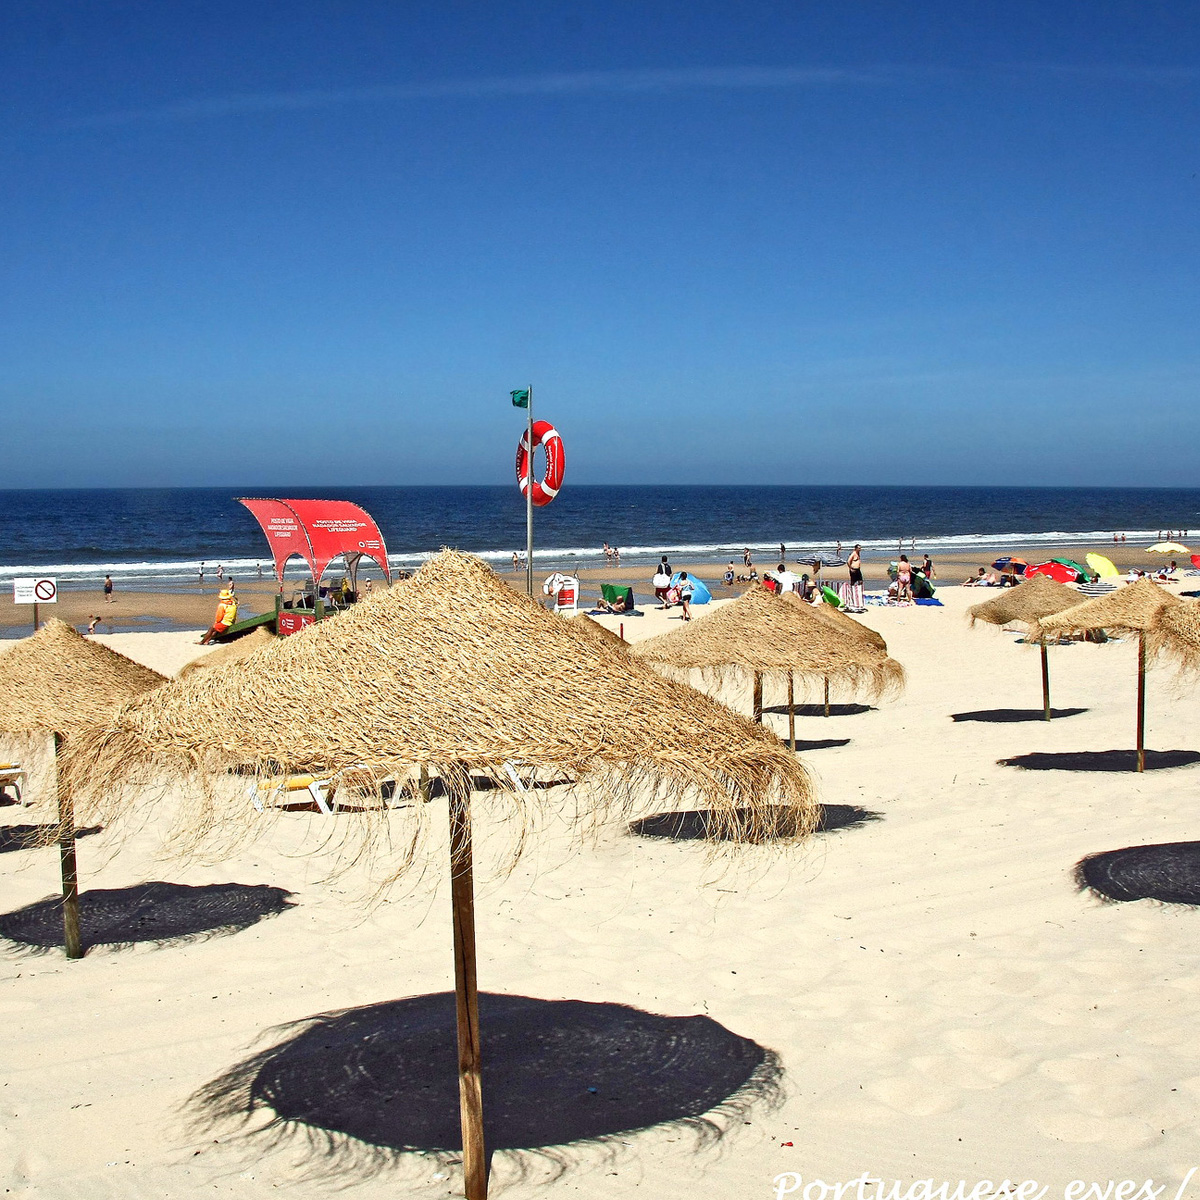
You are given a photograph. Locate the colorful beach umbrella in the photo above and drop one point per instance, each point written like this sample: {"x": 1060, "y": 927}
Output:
{"x": 1055, "y": 570}
{"x": 1008, "y": 563}
{"x": 1085, "y": 575}
{"x": 1105, "y": 568}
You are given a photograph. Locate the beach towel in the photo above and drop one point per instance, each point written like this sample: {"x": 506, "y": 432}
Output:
{"x": 929, "y": 603}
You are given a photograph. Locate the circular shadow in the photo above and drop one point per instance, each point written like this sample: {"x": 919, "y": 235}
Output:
{"x": 1169, "y": 872}
{"x": 706, "y": 825}
{"x": 147, "y": 912}
{"x": 1102, "y": 760}
{"x": 555, "y": 1072}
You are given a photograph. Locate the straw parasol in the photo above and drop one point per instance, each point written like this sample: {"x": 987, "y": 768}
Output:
{"x": 226, "y": 652}
{"x": 452, "y": 672}
{"x": 839, "y": 620}
{"x": 1131, "y": 609}
{"x": 1038, "y": 596}
{"x": 58, "y": 682}
{"x": 1174, "y": 632}
{"x": 583, "y": 627}
{"x": 767, "y": 634}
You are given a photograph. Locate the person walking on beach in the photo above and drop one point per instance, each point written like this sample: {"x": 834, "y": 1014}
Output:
{"x": 904, "y": 579}
{"x": 746, "y": 557}
{"x": 782, "y": 552}
{"x": 927, "y": 567}
{"x": 259, "y": 566}
{"x": 201, "y": 572}
{"x": 686, "y": 590}
{"x": 616, "y": 557}
{"x": 607, "y": 554}
{"x": 839, "y": 548}
{"x": 662, "y": 580}
{"x": 220, "y": 571}
{"x": 108, "y": 589}
{"x": 92, "y": 623}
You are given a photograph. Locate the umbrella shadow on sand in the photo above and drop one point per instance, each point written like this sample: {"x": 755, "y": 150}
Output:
{"x": 1102, "y": 760}
{"x": 34, "y": 837}
{"x": 1168, "y": 872}
{"x": 159, "y": 913}
{"x": 703, "y": 824}
{"x": 565, "y": 1081}
{"x": 818, "y": 710}
{"x": 1006, "y": 716}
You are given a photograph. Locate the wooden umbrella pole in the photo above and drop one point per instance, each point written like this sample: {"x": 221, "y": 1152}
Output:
{"x": 466, "y": 994}
{"x": 1045, "y": 681}
{"x": 70, "y": 872}
{"x": 792, "y": 711}
{"x": 1141, "y": 714}
{"x": 758, "y": 705}
{"x": 827, "y": 695}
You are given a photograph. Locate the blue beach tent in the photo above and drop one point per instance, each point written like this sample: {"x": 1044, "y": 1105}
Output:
{"x": 700, "y": 592}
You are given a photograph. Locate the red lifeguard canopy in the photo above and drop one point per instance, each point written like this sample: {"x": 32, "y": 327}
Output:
{"x": 319, "y": 531}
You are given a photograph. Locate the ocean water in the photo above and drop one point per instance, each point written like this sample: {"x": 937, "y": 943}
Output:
{"x": 154, "y": 537}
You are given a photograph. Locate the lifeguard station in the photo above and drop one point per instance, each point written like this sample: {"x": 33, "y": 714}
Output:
{"x": 319, "y": 531}
{"x": 565, "y": 591}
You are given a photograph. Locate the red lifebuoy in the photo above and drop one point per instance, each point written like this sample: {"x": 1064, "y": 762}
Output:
{"x": 544, "y": 434}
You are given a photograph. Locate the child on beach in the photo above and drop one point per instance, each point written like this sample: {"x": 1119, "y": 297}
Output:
{"x": 686, "y": 589}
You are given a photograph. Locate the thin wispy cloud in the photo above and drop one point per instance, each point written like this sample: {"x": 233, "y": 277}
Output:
{"x": 569, "y": 83}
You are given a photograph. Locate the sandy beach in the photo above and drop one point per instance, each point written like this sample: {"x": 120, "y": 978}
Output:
{"x": 943, "y": 1003}
{"x": 193, "y": 606}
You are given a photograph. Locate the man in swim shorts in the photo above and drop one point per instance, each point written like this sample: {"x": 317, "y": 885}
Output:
{"x": 854, "y": 562}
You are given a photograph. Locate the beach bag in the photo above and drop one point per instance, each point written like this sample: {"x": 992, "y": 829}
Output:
{"x": 660, "y": 580}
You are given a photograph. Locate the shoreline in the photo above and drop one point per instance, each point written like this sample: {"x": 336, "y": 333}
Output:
{"x": 157, "y": 609}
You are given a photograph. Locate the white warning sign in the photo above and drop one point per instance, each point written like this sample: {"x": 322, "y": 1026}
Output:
{"x": 35, "y": 591}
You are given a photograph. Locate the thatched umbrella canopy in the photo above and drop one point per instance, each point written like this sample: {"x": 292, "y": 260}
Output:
{"x": 1036, "y": 597}
{"x": 58, "y": 680}
{"x": 767, "y": 634}
{"x": 453, "y": 671}
{"x": 56, "y": 683}
{"x": 1131, "y": 609}
{"x": 842, "y": 621}
{"x": 229, "y": 652}
{"x": 587, "y": 629}
{"x": 1174, "y": 633}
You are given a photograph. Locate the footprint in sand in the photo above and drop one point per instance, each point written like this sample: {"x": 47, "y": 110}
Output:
{"x": 1067, "y": 1125}
{"x": 913, "y": 1096}
{"x": 1094, "y": 1072}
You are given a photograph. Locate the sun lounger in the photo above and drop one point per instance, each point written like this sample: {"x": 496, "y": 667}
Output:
{"x": 270, "y": 791}
{"x": 12, "y": 776}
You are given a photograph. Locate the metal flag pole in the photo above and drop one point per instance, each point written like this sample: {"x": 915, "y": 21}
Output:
{"x": 529, "y": 500}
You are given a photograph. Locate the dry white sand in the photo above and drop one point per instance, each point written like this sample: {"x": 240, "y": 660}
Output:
{"x": 943, "y": 1001}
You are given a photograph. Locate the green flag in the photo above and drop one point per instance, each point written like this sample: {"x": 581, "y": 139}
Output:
{"x": 520, "y": 398}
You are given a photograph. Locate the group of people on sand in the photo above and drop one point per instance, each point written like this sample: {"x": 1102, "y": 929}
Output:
{"x": 670, "y": 591}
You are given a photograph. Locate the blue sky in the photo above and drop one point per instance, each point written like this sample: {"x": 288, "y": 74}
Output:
{"x": 783, "y": 242}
